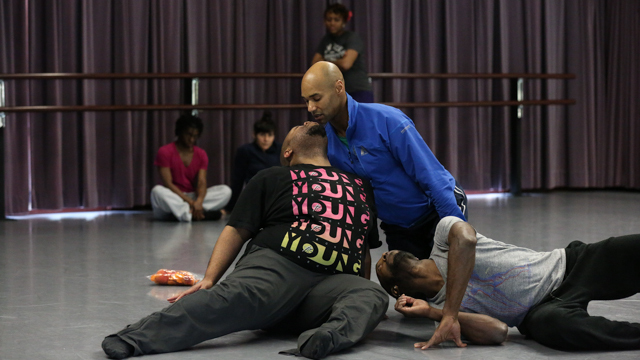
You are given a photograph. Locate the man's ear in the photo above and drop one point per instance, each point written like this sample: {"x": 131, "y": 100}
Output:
{"x": 339, "y": 87}
{"x": 288, "y": 154}
{"x": 395, "y": 291}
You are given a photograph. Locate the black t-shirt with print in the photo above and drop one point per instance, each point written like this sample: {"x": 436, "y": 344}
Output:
{"x": 333, "y": 48}
{"x": 319, "y": 217}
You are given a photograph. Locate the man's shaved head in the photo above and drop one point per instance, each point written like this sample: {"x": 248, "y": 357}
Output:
{"x": 324, "y": 92}
{"x": 305, "y": 142}
{"x": 323, "y": 74}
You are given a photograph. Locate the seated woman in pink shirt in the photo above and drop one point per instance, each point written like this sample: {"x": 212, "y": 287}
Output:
{"x": 183, "y": 168}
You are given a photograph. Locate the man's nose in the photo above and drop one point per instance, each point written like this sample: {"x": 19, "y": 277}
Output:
{"x": 311, "y": 107}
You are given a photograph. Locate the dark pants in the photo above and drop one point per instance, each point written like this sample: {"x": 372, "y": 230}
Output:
{"x": 418, "y": 239}
{"x": 606, "y": 270}
{"x": 263, "y": 291}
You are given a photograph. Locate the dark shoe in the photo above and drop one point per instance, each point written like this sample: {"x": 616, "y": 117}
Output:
{"x": 213, "y": 215}
{"x": 116, "y": 348}
{"x": 318, "y": 346}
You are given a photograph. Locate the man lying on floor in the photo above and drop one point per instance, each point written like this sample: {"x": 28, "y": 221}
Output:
{"x": 311, "y": 227}
{"x": 544, "y": 294}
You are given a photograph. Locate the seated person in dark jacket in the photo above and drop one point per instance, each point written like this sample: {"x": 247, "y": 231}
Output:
{"x": 258, "y": 155}
{"x": 311, "y": 226}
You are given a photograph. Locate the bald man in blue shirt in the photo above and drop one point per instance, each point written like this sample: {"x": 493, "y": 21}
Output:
{"x": 413, "y": 191}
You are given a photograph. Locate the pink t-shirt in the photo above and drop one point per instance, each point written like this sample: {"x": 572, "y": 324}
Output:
{"x": 183, "y": 177}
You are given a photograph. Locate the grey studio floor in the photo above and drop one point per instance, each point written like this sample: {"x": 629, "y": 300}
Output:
{"x": 67, "y": 281}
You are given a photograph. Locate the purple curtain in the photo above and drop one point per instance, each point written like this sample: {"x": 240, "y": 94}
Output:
{"x": 96, "y": 159}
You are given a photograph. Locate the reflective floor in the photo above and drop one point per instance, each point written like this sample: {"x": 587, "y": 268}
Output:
{"x": 69, "y": 281}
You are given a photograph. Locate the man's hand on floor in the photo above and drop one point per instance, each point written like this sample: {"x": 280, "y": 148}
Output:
{"x": 202, "y": 284}
{"x": 449, "y": 329}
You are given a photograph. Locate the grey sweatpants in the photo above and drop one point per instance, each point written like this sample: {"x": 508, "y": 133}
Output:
{"x": 265, "y": 290}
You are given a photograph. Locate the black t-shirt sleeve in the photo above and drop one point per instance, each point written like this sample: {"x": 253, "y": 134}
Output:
{"x": 354, "y": 42}
{"x": 249, "y": 211}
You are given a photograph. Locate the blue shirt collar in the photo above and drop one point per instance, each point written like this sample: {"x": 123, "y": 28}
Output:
{"x": 352, "y": 109}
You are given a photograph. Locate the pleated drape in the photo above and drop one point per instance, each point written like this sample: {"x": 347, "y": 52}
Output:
{"x": 95, "y": 159}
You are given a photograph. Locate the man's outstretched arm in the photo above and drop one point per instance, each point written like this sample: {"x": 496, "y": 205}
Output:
{"x": 224, "y": 252}
{"x": 460, "y": 262}
{"x": 479, "y": 329}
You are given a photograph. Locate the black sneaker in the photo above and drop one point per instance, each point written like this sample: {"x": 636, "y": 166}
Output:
{"x": 213, "y": 215}
{"x": 116, "y": 348}
{"x": 318, "y": 346}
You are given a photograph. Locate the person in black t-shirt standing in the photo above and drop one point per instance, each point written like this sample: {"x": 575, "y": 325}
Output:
{"x": 311, "y": 227}
{"x": 347, "y": 50}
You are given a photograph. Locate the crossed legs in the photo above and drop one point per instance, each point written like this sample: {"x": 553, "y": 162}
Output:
{"x": 167, "y": 205}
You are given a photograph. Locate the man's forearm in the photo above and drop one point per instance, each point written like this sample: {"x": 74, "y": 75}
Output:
{"x": 461, "y": 260}
{"x": 225, "y": 251}
{"x": 478, "y": 328}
